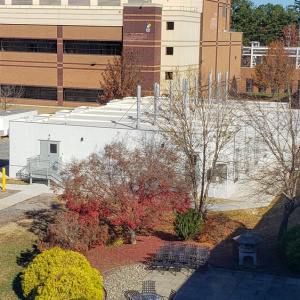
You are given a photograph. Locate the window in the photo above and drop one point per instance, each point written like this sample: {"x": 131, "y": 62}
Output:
{"x": 224, "y": 11}
{"x": 50, "y": 2}
{"x": 83, "y": 95}
{"x": 249, "y": 85}
{"x": 168, "y": 75}
{"x": 28, "y": 45}
{"x": 79, "y": 2}
{"x": 53, "y": 148}
{"x": 169, "y": 51}
{"x": 219, "y": 174}
{"x": 258, "y": 60}
{"x": 291, "y": 88}
{"x": 21, "y": 2}
{"x": 170, "y": 25}
{"x": 262, "y": 90}
{"x": 30, "y": 92}
{"x": 93, "y": 47}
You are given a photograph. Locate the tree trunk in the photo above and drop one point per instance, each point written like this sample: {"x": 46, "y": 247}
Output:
{"x": 132, "y": 236}
{"x": 201, "y": 203}
{"x": 289, "y": 207}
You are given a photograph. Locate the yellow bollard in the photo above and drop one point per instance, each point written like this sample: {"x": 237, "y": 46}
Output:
{"x": 3, "y": 179}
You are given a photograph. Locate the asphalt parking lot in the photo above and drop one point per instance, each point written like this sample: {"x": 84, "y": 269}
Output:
{"x": 4, "y": 151}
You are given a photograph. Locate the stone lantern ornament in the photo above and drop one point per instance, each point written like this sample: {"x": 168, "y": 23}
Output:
{"x": 248, "y": 244}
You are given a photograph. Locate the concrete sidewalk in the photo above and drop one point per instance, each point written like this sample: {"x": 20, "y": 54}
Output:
{"x": 25, "y": 192}
{"x": 218, "y": 284}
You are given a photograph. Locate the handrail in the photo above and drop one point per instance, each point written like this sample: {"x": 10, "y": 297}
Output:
{"x": 35, "y": 165}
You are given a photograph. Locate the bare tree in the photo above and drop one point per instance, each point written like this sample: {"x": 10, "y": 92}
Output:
{"x": 9, "y": 92}
{"x": 122, "y": 76}
{"x": 278, "y": 171}
{"x": 200, "y": 130}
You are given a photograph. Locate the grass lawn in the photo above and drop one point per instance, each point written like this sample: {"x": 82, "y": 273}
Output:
{"x": 16, "y": 181}
{"x": 14, "y": 240}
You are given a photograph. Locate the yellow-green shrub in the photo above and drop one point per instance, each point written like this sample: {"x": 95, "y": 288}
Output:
{"x": 61, "y": 275}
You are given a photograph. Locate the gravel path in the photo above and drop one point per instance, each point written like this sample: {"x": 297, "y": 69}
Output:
{"x": 120, "y": 280}
{"x": 18, "y": 211}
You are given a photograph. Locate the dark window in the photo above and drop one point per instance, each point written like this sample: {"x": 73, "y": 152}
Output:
{"x": 224, "y": 11}
{"x": 50, "y": 2}
{"x": 53, "y": 148}
{"x": 169, "y": 51}
{"x": 249, "y": 85}
{"x": 291, "y": 88}
{"x": 29, "y": 92}
{"x": 170, "y": 25}
{"x": 21, "y": 2}
{"x": 28, "y": 45}
{"x": 79, "y": 2}
{"x": 93, "y": 47}
{"x": 110, "y": 2}
{"x": 258, "y": 60}
{"x": 219, "y": 174}
{"x": 83, "y": 95}
{"x": 262, "y": 90}
{"x": 168, "y": 75}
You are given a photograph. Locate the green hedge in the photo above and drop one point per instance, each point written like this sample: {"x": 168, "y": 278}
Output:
{"x": 187, "y": 225}
{"x": 289, "y": 248}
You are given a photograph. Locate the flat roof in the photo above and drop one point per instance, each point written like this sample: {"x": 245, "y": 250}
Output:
{"x": 119, "y": 114}
{"x": 14, "y": 111}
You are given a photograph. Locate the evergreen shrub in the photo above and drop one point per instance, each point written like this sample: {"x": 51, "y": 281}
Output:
{"x": 289, "y": 248}
{"x": 188, "y": 224}
{"x": 61, "y": 275}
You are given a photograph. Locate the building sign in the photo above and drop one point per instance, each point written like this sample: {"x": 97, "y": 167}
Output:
{"x": 148, "y": 25}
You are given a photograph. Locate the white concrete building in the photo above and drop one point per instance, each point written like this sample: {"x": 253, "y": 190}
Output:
{"x": 40, "y": 145}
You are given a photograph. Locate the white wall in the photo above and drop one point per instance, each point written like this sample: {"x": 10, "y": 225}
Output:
{"x": 4, "y": 120}
{"x": 184, "y": 39}
{"x": 25, "y": 136}
{"x": 44, "y": 15}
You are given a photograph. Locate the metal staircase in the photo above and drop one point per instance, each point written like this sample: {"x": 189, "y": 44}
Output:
{"x": 41, "y": 169}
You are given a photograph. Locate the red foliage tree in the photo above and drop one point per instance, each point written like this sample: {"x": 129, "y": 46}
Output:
{"x": 276, "y": 71}
{"x": 131, "y": 188}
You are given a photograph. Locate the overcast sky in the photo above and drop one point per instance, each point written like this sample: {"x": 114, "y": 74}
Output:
{"x": 282, "y": 2}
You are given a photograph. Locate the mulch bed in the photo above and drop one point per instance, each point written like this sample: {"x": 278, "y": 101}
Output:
{"x": 105, "y": 258}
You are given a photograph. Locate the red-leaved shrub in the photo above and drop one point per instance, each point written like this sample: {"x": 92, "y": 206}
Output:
{"x": 71, "y": 232}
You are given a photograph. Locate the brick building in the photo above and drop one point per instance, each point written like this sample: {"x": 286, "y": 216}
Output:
{"x": 57, "y": 49}
{"x": 253, "y": 55}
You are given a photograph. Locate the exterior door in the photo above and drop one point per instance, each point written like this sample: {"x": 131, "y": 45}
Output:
{"x": 49, "y": 150}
